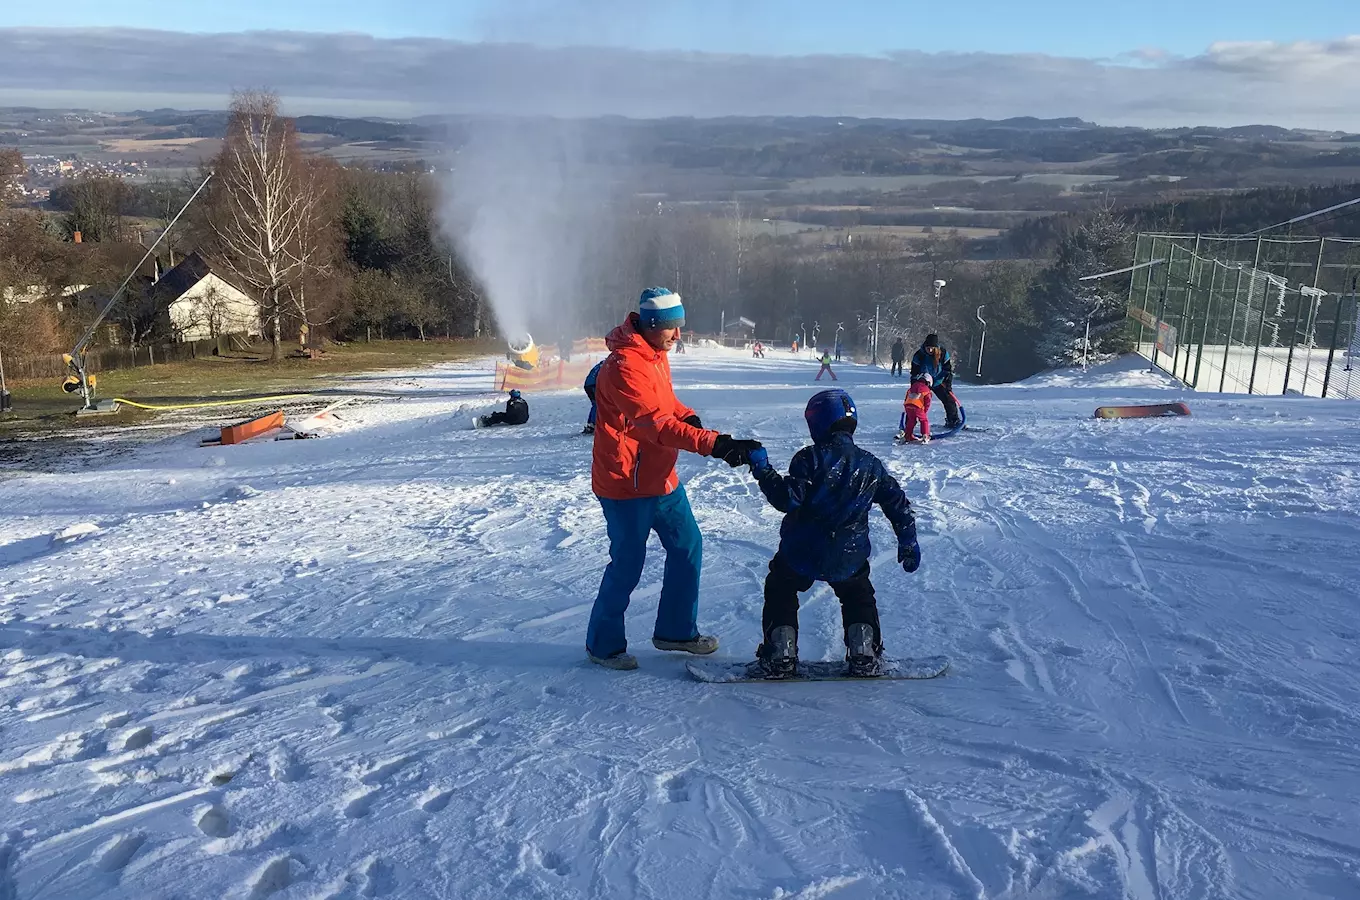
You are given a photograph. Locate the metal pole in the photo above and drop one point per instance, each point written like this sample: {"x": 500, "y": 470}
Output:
{"x": 78, "y": 354}
{"x": 1232, "y": 323}
{"x": 1260, "y": 330}
{"x": 1147, "y": 289}
{"x": 1293, "y": 339}
{"x": 1086, "y": 346}
{"x": 1161, "y": 306}
{"x": 1185, "y": 317}
{"x": 982, "y": 343}
{"x": 1326, "y": 376}
{"x": 875, "y": 334}
{"x": 1204, "y": 332}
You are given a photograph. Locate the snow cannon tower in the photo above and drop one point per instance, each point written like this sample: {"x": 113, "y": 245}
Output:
{"x": 523, "y": 352}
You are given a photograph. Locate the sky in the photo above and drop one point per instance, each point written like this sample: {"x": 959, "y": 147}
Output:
{"x": 1155, "y": 63}
{"x": 1079, "y": 28}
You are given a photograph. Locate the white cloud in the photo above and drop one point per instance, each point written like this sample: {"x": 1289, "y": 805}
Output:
{"x": 1302, "y": 84}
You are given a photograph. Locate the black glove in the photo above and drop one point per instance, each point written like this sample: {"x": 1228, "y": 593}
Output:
{"x": 733, "y": 451}
{"x": 693, "y": 420}
{"x": 909, "y": 551}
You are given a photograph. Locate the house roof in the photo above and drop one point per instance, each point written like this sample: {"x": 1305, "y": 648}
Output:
{"x": 184, "y": 275}
{"x": 188, "y": 272}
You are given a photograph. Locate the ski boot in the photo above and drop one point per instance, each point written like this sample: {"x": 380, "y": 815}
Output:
{"x": 777, "y": 657}
{"x": 589, "y": 429}
{"x": 861, "y": 656}
{"x": 701, "y": 644}
{"x": 925, "y": 439}
{"x": 623, "y": 662}
{"x": 900, "y": 437}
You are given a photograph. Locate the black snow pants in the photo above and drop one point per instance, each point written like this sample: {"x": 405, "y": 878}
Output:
{"x": 783, "y": 585}
{"x": 945, "y": 391}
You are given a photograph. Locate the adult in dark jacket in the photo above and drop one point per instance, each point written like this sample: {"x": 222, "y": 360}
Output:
{"x": 516, "y": 413}
{"x": 934, "y": 360}
{"x": 826, "y": 498}
{"x": 591, "y": 377}
{"x": 899, "y": 356}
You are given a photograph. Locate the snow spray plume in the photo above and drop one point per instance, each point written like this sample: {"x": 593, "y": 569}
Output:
{"x": 529, "y": 215}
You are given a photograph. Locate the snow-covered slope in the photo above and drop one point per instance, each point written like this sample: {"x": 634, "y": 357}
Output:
{"x": 353, "y": 666}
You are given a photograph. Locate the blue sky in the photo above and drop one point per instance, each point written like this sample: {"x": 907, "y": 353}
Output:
{"x": 1083, "y": 28}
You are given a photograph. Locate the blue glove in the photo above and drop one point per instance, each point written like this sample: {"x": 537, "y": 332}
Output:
{"x": 759, "y": 460}
{"x": 909, "y": 552}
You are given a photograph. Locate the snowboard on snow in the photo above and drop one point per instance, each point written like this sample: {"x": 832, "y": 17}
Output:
{"x": 718, "y": 671}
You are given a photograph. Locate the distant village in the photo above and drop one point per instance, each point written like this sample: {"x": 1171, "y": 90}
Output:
{"x": 46, "y": 171}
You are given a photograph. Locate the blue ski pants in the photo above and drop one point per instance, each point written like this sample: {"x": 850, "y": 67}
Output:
{"x": 629, "y": 523}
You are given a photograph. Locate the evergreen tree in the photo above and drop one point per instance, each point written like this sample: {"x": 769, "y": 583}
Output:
{"x": 1064, "y": 303}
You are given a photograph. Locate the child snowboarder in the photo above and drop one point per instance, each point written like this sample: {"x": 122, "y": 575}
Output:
{"x": 516, "y": 413}
{"x": 826, "y": 368}
{"x": 825, "y": 535}
{"x": 916, "y": 409}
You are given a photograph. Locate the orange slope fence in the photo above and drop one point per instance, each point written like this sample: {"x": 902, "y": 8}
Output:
{"x": 551, "y": 376}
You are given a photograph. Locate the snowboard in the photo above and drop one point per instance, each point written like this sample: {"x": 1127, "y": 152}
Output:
{"x": 718, "y": 671}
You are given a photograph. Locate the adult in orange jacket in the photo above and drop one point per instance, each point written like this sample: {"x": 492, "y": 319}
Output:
{"x": 640, "y": 429}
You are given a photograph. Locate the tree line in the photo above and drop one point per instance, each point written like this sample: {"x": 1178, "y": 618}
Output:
{"x": 355, "y": 253}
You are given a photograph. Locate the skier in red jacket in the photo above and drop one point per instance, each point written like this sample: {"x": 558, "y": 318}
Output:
{"x": 640, "y": 429}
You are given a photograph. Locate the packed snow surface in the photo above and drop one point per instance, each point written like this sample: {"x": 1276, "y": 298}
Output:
{"x": 353, "y": 666}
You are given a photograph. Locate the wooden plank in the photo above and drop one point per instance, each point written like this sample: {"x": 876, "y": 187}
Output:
{"x": 252, "y": 428}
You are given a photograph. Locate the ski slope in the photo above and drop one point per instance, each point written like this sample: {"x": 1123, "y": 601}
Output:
{"x": 353, "y": 666}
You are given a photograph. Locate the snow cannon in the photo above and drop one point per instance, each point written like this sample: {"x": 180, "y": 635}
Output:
{"x": 523, "y": 352}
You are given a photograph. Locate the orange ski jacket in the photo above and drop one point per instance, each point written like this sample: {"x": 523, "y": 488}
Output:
{"x": 639, "y": 423}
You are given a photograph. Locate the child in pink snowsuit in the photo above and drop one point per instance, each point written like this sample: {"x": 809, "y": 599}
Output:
{"x": 916, "y": 408}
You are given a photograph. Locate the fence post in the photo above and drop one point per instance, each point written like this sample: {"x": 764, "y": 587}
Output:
{"x": 1293, "y": 339}
{"x": 1331, "y": 349}
{"x": 1204, "y": 332}
{"x": 1232, "y": 323}
{"x": 1260, "y": 330}
{"x": 1161, "y": 306}
{"x": 1185, "y": 315}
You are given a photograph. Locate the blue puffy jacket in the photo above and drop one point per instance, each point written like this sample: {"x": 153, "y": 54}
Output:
{"x": 826, "y": 496}
{"x": 941, "y": 372}
{"x": 593, "y": 376}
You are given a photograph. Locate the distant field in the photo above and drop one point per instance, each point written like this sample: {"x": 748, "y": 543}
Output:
{"x": 137, "y": 145}
{"x": 888, "y": 183}
{"x": 879, "y": 182}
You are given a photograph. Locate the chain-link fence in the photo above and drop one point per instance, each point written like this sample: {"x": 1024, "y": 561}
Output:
{"x": 1250, "y": 315}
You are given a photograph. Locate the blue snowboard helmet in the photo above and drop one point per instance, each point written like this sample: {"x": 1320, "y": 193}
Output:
{"x": 829, "y": 412}
{"x": 515, "y": 395}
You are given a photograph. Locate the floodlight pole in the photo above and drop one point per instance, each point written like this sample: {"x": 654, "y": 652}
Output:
{"x": 982, "y": 343}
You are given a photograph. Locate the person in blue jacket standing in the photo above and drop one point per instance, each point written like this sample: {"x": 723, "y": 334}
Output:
{"x": 934, "y": 360}
{"x": 590, "y": 392}
{"x": 826, "y": 498}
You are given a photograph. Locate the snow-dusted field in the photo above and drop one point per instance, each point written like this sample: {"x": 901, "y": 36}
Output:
{"x": 354, "y": 667}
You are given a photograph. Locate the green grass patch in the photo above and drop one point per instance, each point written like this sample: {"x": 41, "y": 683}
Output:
{"x": 40, "y": 406}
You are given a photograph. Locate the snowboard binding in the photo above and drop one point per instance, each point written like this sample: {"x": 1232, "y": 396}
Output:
{"x": 777, "y": 657}
{"x": 861, "y": 656}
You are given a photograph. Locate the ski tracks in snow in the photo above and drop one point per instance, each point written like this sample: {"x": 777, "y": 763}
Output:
{"x": 352, "y": 668}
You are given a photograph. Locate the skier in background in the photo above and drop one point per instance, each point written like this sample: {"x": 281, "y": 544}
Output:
{"x": 591, "y": 377}
{"x": 758, "y": 350}
{"x": 934, "y": 360}
{"x": 916, "y": 409}
{"x": 826, "y": 499}
{"x": 899, "y": 356}
{"x": 516, "y": 413}
{"x": 826, "y": 368}
{"x": 839, "y": 348}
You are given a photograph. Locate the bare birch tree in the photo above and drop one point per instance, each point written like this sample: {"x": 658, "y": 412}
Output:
{"x": 264, "y": 205}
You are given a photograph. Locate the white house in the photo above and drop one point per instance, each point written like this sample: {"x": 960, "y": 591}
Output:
{"x": 202, "y": 305}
